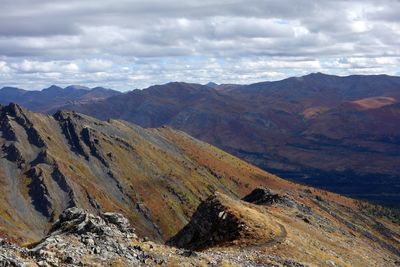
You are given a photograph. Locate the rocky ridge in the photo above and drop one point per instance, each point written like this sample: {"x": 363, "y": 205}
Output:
{"x": 265, "y": 221}
{"x": 223, "y": 231}
{"x": 79, "y": 238}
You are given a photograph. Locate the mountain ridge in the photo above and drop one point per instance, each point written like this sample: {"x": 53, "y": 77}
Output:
{"x": 296, "y": 128}
{"x": 316, "y": 129}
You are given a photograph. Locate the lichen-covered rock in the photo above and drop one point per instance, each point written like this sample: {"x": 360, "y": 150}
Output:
{"x": 224, "y": 221}
{"x": 10, "y": 255}
{"x": 78, "y": 221}
{"x": 79, "y": 238}
{"x": 211, "y": 224}
{"x": 118, "y": 220}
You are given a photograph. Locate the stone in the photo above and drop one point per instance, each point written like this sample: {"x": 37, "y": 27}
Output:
{"x": 264, "y": 196}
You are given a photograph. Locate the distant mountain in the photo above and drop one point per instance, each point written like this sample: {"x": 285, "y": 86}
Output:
{"x": 338, "y": 133}
{"x": 212, "y": 85}
{"x": 53, "y": 97}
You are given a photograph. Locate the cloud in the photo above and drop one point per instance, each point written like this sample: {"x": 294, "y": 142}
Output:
{"x": 28, "y": 66}
{"x": 98, "y": 65}
{"x": 132, "y": 44}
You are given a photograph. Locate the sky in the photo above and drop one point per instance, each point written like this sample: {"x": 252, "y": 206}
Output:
{"x": 128, "y": 44}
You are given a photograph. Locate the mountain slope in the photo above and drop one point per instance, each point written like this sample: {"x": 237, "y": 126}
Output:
{"x": 156, "y": 177}
{"x": 238, "y": 234}
{"x": 53, "y": 97}
{"x": 267, "y": 227}
{"x": 317, "y": 129}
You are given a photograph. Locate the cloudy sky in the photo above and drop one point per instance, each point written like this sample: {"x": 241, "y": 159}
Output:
{"x": 127, "y": 44}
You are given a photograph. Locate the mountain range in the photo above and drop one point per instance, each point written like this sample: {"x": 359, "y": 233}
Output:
{"x": 53, "y": 97}
{"x": 337, "y": 133}
{"x": 64, "y": 176}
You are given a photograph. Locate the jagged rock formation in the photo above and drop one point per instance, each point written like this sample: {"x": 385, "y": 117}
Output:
{"x": 79, "y": 238}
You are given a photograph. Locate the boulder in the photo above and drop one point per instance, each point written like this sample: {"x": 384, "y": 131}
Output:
{"x": 264, "y": 196}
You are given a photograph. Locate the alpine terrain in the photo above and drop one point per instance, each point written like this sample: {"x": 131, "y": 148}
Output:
{"x": 78, "y": 191}
{"x": 332, "y": 132}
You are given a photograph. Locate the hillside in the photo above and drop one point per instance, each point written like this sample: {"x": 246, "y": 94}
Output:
{"x": 274, "y": 231}
{"x": 155, "y": 177}
{"x": 161, "y": 180}
{"x": 316, "y": 129}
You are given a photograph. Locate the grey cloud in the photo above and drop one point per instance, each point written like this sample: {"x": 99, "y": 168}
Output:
{"x": 144, "y": 39}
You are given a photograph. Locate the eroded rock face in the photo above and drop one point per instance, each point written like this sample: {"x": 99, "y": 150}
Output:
{"x": 69, "y": 129}
{"x": 19, "y": 116}
{"x": 210, "y": 225}
{"x": 13, "y": 154}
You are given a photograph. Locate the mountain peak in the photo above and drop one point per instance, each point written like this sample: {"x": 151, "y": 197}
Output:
{"x": 77, "y": 87}
{"x": 212, "y": 85}
{"x": 13, "y": 109}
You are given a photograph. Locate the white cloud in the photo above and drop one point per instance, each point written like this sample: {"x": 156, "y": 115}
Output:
{"x": 98, "y": 65}
{"x": 4, "y": 67}
{"x": 28, "y": 66}
{"x": 129, "y": 44}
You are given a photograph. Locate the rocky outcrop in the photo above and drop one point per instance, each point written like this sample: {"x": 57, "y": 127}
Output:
{"x": 64, "y": 185}
{"x": 19, "y": 114}
{"x": 78, "y": 221}
{"x": 39, "y": 193}
{"x": 70, "y": 132}
{"x": 92, "y": 143}
{"x": 264, "y": 196}
{"x": 13, "y": 154}
{"x": 210, "y": 225}
{"x": 43, "y": 157}
{"x": 7, "y": 130}
{"x": 79, "y": 238}
{"x": 224, "y": 221}
{"x": 11, "y": 254}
